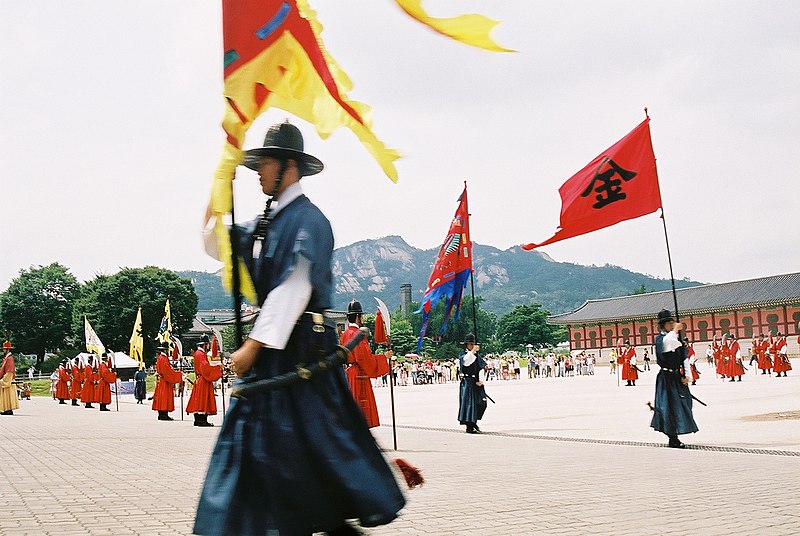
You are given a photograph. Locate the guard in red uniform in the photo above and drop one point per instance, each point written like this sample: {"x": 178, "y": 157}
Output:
{"x": 76, "y": 383}
{"x": 760, "y": 348}
{"x": 719, "y": 357}
{"x": 782, "y": 363}
{"x": 691, "y": 357}
{"x": 363, "y": 366}
{"x": 88, "y": 389}
{"x": 167, "y": 377}
{"x": 62, "y": 387}
{"x": 105, "y": 377}
{"x": 630, "y": 373}
{"x": 202, "y": 402}
{"x": 735, "y": 365}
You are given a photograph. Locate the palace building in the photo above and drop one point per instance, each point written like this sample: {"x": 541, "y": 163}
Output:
{"x": 742, "y": 308}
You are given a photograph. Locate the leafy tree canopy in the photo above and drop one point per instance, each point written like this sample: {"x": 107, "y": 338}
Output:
{"x": 111, "y": 302}
{"x": 36, "y": 309}
{"x": 527, "y": 324}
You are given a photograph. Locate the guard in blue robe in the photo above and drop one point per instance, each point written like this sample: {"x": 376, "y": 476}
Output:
{"x": 472, "y": 397}
{"x": 298, "y": 459}
{"x": 140, "y": 385}
{"x": 672, "y": 409}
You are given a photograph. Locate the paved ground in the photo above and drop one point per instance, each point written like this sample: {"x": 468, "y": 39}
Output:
{"x": 563, "y": 456}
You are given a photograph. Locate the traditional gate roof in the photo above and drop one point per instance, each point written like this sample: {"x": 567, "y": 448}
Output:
{"x": 719, "y": 297}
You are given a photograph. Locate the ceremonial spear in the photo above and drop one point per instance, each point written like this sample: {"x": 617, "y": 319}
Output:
{"x": 385, "y": 337}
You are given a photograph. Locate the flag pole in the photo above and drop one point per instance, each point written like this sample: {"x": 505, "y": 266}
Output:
{"x": 391, "y": 392}
{"x": 116, "y": 381}
{"x": 222, "y": 379}
{"x": 669, "y": 255}
{"x": 669, "y": 259}
{"x": 236, "y": 283}
{"x": 472, "y": 285}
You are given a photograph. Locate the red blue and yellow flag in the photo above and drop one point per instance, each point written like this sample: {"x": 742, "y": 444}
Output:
{"x": 451, "y": 269}
{"x": 274, "y": 57}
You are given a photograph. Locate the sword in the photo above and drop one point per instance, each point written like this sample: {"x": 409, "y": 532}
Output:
{"x": 335, "y": 358}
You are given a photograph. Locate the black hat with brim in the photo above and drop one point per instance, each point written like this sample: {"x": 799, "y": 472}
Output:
{"x": 284, "y": 141}
{"x": 469, "y": 339}
{"x": 664, "y": 316}
{"x": 354, "y": 308}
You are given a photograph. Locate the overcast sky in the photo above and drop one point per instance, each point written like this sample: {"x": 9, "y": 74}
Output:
{"x": 110, "y": 112}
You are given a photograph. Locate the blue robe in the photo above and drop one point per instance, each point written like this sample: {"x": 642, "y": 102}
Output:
{"x": 472, "y": 398}
{"x": 672, "y": 413}
{"x": 140, "y": 385}
{"x": 299, "y": 459}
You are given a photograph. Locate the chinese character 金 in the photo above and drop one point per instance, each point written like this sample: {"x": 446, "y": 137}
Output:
{"x": 609, "y": 188}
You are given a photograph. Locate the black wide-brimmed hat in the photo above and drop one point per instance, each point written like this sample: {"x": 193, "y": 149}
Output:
{"x": 354, "y": 308}
{"x": 284, "y": 141}
{"x": 470, "y": 339}
{"x": 664, "y": 316}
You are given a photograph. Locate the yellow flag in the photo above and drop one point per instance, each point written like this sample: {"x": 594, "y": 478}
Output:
{"x": 137, "y": 341}
{"x": 93, "y": 343}
{"x": 471, "y": 29}
{"x": 165, "y": 329}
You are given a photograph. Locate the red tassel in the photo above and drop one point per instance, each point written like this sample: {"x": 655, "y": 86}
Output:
{"x": 412, "y": 475}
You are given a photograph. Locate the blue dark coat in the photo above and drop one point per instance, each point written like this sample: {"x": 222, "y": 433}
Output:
{"x": 300, "y": 459}
{"x": 673, "y": 401}
{"x": 472, "y": 398}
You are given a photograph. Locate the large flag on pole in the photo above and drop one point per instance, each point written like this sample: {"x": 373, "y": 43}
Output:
{"x": 137, "y": 341}
{"x": 620, "y": 184}
{"x": 93, "y": 343}
{"x": 451, "y": 269}
{"x": 274, "y": 57}
{"x": 165, "y": 329}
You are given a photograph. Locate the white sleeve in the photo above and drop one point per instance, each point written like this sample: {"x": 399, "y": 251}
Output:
{"x": 670, "y": 342}
{"x": 283, "y": 306}
{"x": 210, "y": 238}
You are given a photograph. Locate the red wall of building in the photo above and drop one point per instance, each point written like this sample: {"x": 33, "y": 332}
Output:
{"x": 743, "y": 323}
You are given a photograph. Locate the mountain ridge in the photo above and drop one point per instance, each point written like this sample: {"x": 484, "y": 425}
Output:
{"x": 503, "y": 278}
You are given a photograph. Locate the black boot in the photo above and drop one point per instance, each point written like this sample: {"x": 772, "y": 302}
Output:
{"x": 674, "y": 442}
{"x": 163, "y": 416}
{"x": 201, "y": 420}
{"x": 344, "y": 530}
{"x": 7, "y": 412}
{"x": 104, "y": 407}
{"x": 62, "y": 401}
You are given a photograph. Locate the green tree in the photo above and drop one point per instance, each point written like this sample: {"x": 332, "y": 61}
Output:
{"x": 229, "y": 336}
{"x": 527, "y": 324}
{"x": 111, "y": 301}
{"x": 36, "y": 309}
{"x": 642, "y": 290}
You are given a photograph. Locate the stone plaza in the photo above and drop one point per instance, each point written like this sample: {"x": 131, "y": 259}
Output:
{"x": 560, "y": 456}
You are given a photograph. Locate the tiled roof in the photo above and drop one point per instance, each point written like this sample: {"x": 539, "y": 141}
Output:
{"x": 760, "y": 292}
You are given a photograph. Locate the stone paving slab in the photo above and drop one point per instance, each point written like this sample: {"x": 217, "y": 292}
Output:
{"x": 68, "y": 470}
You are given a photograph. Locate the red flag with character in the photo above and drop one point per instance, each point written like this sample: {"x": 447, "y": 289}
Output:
{"x": 620, "y": 184}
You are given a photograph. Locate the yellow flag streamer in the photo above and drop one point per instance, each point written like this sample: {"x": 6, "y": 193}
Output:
{"x": 470, "y": 29}
{"x": 137, "y": 341}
